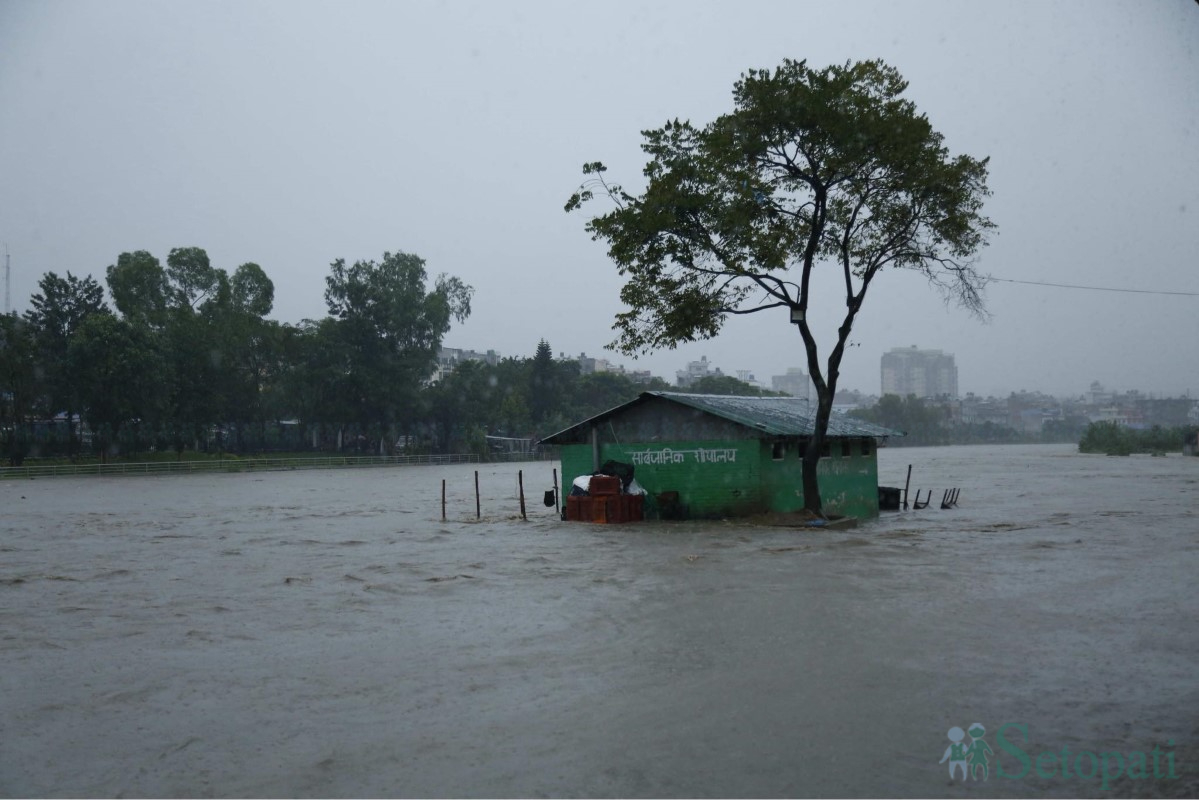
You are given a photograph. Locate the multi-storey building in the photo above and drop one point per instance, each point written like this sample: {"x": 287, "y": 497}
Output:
{"x": 696, "y": 370}
{"x": 924, "y": 373}
{"x": 794, "y": 383}
{"x": 450, "y": 357}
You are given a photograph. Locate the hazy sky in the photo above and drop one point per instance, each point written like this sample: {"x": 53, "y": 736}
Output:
{"x": 293, "y": 133}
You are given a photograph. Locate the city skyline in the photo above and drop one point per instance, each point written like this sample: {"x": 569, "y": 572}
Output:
{"x": 293, "y": 134}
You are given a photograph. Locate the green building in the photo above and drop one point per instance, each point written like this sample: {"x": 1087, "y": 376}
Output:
{"x": 728, "y": 456}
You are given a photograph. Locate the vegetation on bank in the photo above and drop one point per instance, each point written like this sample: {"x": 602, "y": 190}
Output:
{"x": 187, "y": 365}
{"x": 1117, "y": 440}
{"x": 927, "y": 424}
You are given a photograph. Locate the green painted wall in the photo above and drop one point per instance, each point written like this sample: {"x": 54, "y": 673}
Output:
{"x": 736, "y": 477}
{"x": 848, "y": 483}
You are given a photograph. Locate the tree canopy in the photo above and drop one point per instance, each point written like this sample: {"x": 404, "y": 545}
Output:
{"x": 813, "y": 168}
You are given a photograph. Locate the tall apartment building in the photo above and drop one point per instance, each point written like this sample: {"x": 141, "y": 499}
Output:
{"x": 924, "y": 373}
{"x": 795, "y": 383}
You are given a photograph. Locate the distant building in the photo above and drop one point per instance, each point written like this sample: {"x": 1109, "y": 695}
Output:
{"x": 924, "y": 373}
{"x": 1098, "y": 396}
{"x": 448, "y": 358}
{"x": 590, "y": 366}
{"x": 696, "y": 370}
{"x": 747, "y": 376}
{"x": 794, "y": 383}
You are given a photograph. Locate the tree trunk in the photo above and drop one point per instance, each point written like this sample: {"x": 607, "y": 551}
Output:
{"x": 811, "y": 460}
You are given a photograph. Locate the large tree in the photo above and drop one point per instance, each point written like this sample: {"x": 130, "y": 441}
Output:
{"x": 390, "y": 326}
{"x": 813, "y": 168}
{"x": 545, "y": 390}
{"x": 55, "y": 314}
{"x": 18, "y": 386}
{"x": 118, "y": 368}
{"x": 140, "y": 288}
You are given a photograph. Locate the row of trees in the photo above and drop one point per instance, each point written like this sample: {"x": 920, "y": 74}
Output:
{"x": 187, "y": 349}
{"x": 926, "y": 424}
{"x": 185, "y": 358}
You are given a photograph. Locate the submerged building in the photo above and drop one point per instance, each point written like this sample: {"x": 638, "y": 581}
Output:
{"x": 724, "y": 456}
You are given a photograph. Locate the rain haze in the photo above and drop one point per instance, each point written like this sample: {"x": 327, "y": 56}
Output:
{"x": 291, "y": 134}
{"x": 417, "y": 630}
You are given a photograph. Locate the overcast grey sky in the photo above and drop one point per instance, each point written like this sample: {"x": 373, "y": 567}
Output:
{"x": 293, "y": 133}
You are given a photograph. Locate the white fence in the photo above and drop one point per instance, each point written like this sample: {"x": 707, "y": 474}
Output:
{"x": 254, "y": 464}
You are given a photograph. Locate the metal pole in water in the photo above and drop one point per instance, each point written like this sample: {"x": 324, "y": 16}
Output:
{"x": 556, "y": 510}
{"x": 520, "y": 481}
{"x": 906, "y": 484}
{"x": 443, "y": 499}
{"x": 478, "y": 513}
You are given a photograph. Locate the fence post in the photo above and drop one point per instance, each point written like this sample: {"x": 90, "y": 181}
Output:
{"x": 556, "y": 509}
{"x": 520, "y": 482}
{"x": 478, "y": 512}
{"x": 443, "y": 499}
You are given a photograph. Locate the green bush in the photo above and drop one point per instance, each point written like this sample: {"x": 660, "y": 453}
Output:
{"x": 1116, "y": 440}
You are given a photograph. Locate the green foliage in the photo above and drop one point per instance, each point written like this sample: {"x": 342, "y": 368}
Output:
{"x": 1117, "y": 440}
{"x": 18, "y": 386}
{"x": 118, "y": 369}
{"x": 921, "y": 424}
{"x": 388, "y": 331}
{"x": 140, "y": 288}
{"x": 544, "y": 386}
{"x": 193, "y": 279}
{"x": 253, "y": 292}
{"x": 600, "y": 391}
{"x": 56, "y": 313}
{"x": 828, "y": 168}
{"x": 812, "y": 166}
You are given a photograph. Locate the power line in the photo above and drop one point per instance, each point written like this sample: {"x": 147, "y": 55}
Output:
{"x": 1095, "y": 288}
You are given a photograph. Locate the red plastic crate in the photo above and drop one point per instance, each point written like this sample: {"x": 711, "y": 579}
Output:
{"x": 606, "y": 508}
{"x": 604, "y": 485}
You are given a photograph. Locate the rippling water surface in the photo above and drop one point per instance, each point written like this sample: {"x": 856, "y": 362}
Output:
{"x": 324, "y": 633}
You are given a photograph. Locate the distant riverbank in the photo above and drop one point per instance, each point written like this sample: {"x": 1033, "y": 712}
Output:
{"x": 230, "y": 463}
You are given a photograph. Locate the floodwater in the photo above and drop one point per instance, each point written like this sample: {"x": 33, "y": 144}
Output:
{"x": 324, "y": 633}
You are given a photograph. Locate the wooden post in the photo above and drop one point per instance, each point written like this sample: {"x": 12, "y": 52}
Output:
{"x": 520, "y": 481}
{"x": 556, "y": 509}
{"x": 906, "y": 484}
{"x": 478, "y": 513}
{"x": 443, "y": 499}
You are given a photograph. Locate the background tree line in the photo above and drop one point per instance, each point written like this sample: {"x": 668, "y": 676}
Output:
{"x": 184, "y": 359}
{"x": 931, "y": 423}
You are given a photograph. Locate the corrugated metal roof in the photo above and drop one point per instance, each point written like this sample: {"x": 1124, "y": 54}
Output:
{"x": 777, "y": 416}
{"x": 773, "y": 416}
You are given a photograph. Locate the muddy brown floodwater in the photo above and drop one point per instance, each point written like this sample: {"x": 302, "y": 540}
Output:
{"x": 324, "y": 633}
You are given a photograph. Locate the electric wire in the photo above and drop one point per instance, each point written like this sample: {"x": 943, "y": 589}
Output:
{"x": 1095, "y": 288}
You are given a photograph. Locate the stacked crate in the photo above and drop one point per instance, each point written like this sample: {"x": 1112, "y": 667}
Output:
{"x": 605, "y": 504}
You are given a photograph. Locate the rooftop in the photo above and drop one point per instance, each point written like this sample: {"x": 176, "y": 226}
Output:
{"x": 773, "y": 416}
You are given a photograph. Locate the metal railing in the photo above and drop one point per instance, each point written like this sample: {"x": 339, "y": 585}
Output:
{"x": 252, "y": 464}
